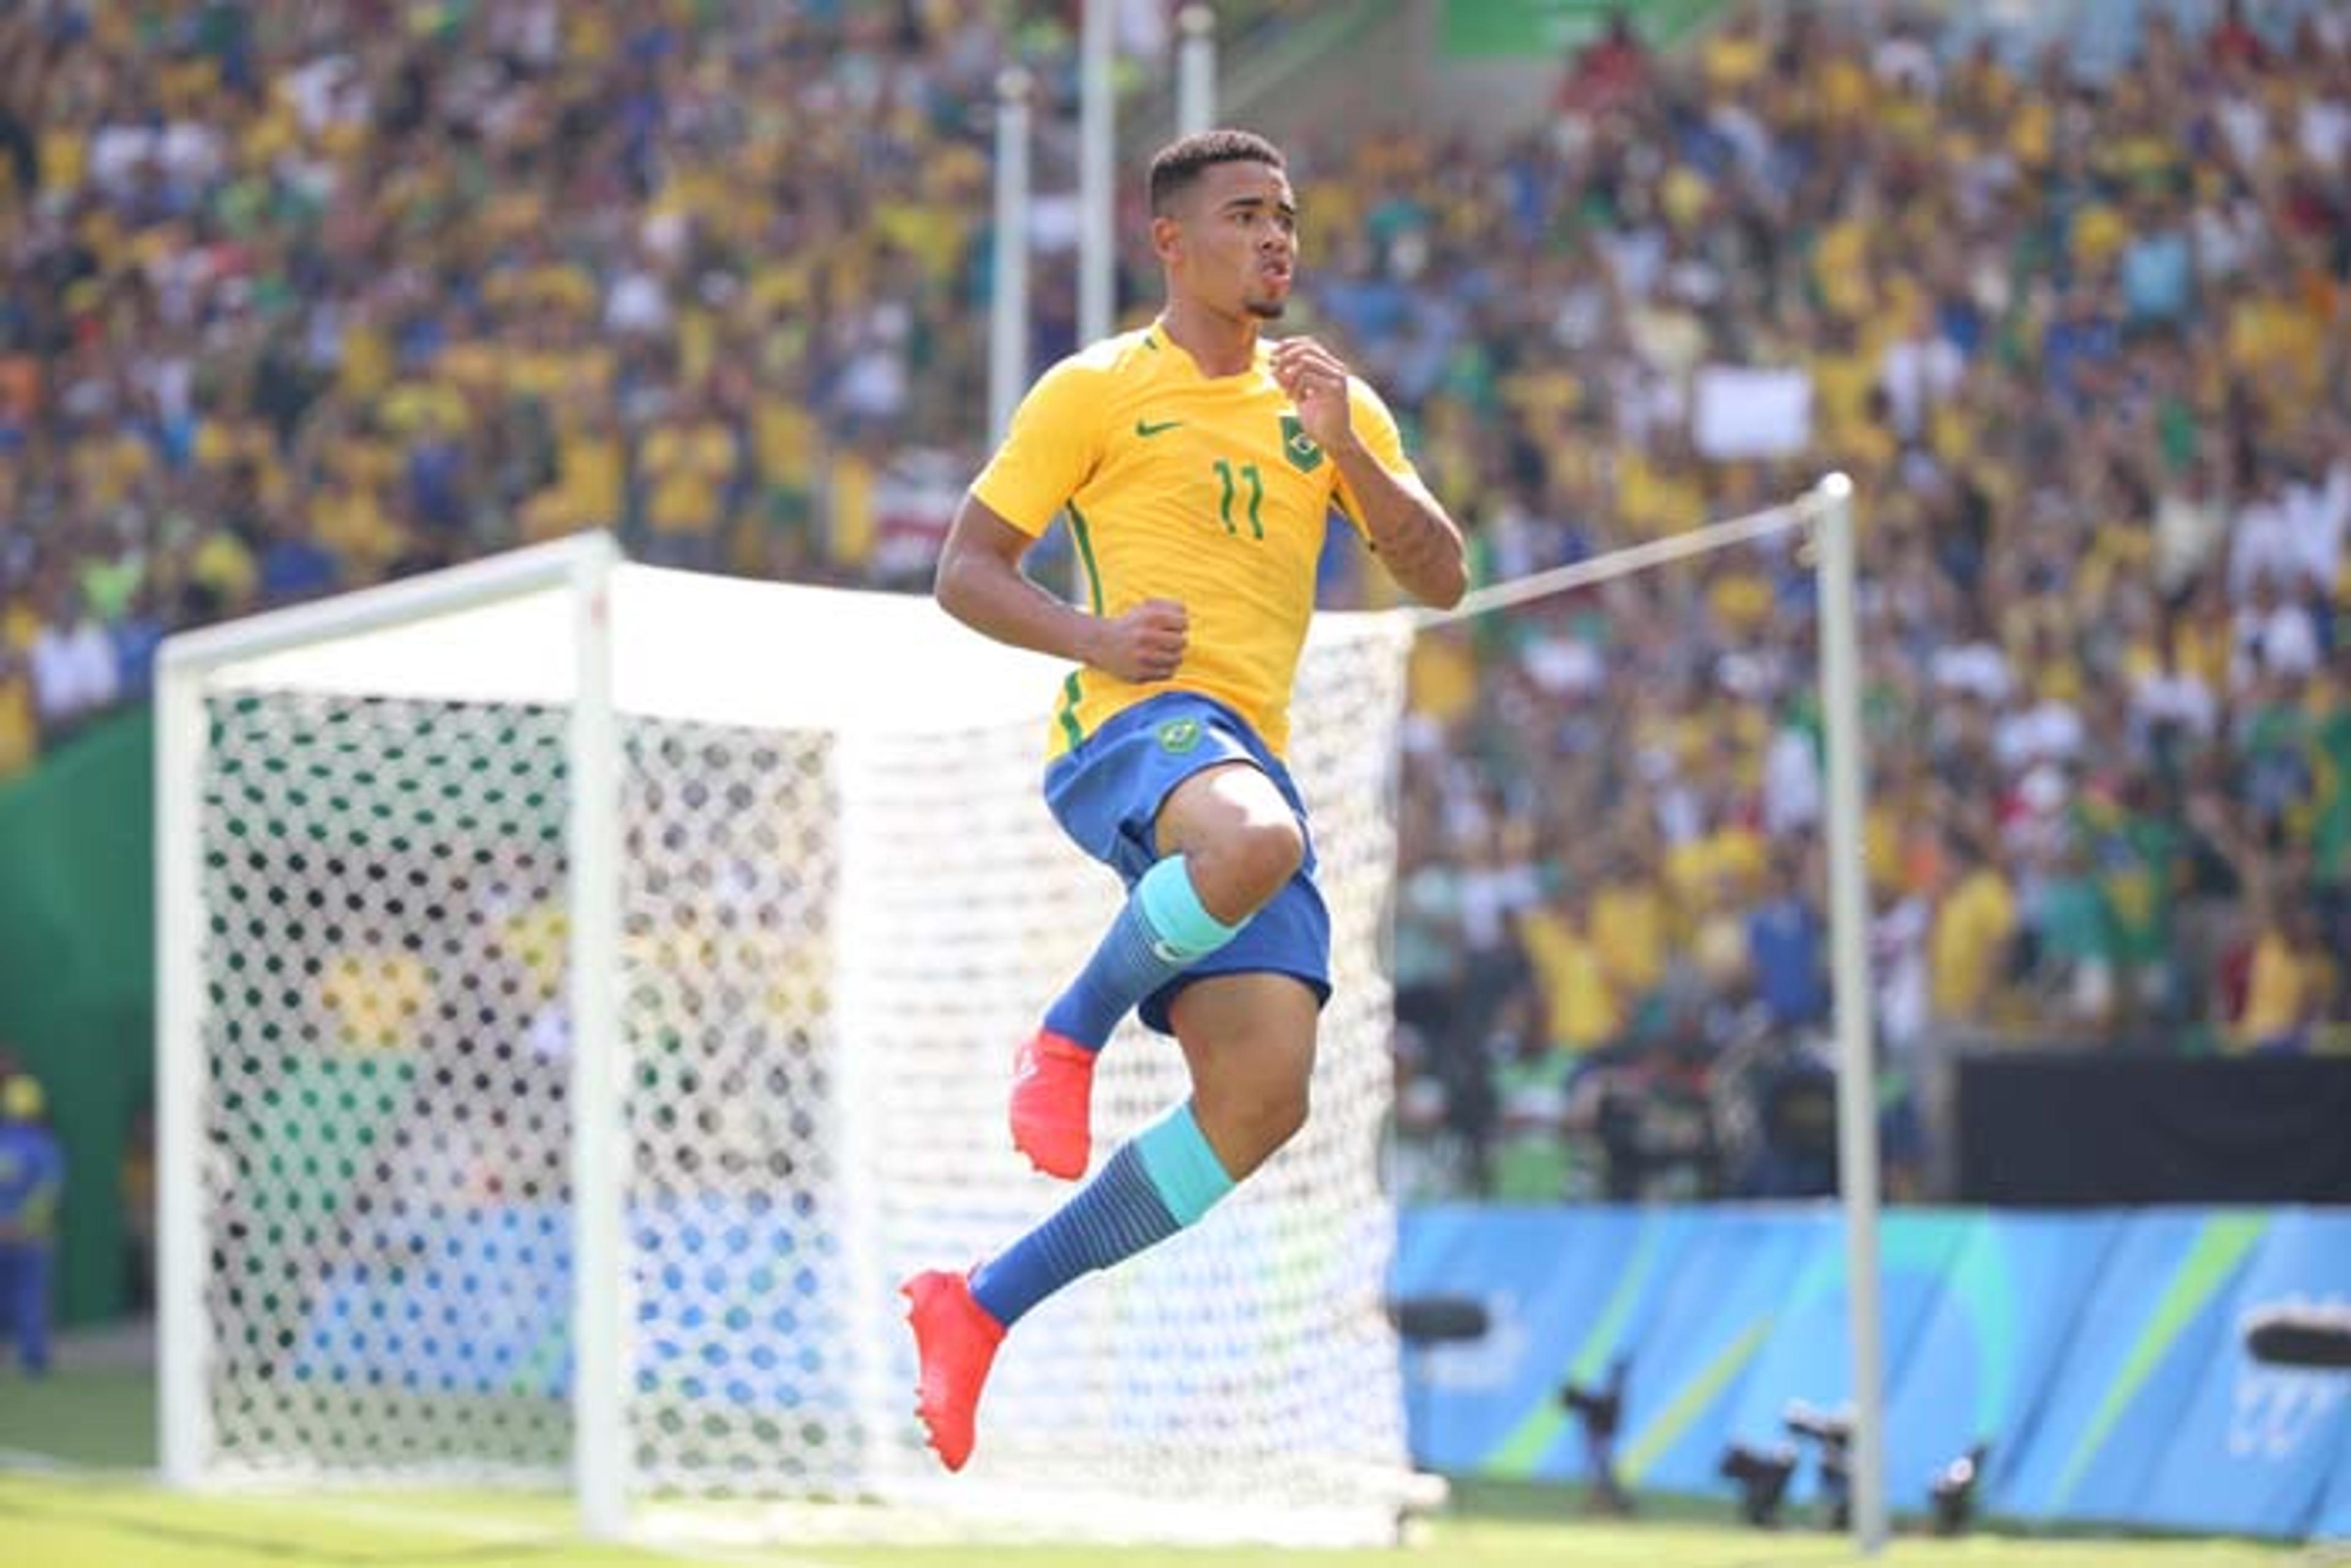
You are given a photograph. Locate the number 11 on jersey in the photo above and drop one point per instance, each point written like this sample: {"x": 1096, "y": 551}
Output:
{"x": 1247, "y": 471}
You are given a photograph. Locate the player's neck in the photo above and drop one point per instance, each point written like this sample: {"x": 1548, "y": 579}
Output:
{"x": 1219, "y": 344}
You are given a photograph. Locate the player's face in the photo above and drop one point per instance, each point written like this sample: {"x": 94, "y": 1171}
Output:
{"x": 1240, "y": 239}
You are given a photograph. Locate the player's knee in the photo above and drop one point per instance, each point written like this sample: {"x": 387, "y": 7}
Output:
{"x": 1264, "y": 856}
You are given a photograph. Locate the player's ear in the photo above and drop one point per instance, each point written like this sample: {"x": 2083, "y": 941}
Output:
{"x": 1167, "y": 236}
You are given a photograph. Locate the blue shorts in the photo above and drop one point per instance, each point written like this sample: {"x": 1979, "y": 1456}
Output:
{"x": 1106, "y": 794}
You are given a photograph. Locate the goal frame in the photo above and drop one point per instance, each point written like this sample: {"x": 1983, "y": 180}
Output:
{"x": 551, "y": 627}
{"x": 580, "y": 568}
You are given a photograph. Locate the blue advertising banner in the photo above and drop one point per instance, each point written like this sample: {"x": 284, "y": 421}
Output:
{"x": 2334, "y": 1520}
{"x": 1701, "y": 1338}
{"x": 2257, "y": 1444}
{"x": 2152, "y": 1321}
{"x": 1565, "y": 1293}
{"x": 2098, "y": 1352}
{"x": 2008, "y": 1307}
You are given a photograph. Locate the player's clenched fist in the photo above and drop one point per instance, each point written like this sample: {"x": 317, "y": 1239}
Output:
{"x": 1316, "y": 380}
{"x": 1143, "y": 645}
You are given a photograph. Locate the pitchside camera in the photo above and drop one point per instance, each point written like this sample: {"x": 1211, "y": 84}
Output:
{"x": 1438, "y": 1319}
{"x": 1762, "y": 1474}
{"x": 1953, "y": 1493}
{"x": 1832, "y": 1430}
{"x": 1601, "y": 1410}
{"x": 1826, "y": 1427}
{"x": 2300, "y": 1333}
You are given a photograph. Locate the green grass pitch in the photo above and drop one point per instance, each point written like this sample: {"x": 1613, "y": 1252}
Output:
{"x": 76, "y": 1492}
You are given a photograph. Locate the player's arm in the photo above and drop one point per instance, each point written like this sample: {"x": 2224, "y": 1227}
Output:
{"x": 1407, "y": 525}
{"x": 1051, "y": 449}
{"x": 980, "y": 583}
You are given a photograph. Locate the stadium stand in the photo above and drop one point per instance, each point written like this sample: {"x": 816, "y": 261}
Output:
{"x": 302, "y": 296}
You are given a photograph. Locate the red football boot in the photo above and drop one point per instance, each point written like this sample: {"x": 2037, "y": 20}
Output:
{"x": 1052, "y": 1104}
{"x": 956, "y": 1341}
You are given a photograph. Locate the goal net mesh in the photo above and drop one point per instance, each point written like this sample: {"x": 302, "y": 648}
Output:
{"x": 839, "y": 911}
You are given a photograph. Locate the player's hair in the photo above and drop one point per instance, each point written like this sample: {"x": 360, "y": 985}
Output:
{"x": 1175, "y": 167}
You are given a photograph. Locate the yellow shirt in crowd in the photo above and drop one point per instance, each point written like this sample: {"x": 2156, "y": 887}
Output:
{"x": 1964, "y": 955}
{"x": 1581, "y": 1008}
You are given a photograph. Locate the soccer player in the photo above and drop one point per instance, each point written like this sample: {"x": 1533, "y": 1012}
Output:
{"x": 1198, "y": 466}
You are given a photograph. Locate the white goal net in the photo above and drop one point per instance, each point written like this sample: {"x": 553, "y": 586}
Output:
{"x": 834, "y": 902}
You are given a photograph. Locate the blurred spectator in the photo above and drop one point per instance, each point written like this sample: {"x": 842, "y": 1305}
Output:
{"x": 135, "y": 1183}
{"x": 2287, "y": 978}
{"x": 32, "y": 1177}
{"x": 1786, "y": 949}
{"x": 1581, "y": 1012}
{"x": 1794, "y": 1152}
{"x": 688, "y": 461}
{"x": 2277, "y": 981}
{"x": 73, "y": 665}
{"x": 20, "y": 735}
{"x": 2233, "y": 42}
{"x": 1606, "y": 71}
{"x": 293, "y": 564}
{"x": 1975, "y": 920}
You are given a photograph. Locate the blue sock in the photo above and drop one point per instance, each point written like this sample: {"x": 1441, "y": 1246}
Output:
{"x": 1158, "y": 1182}
{"x": 1164, "y": 930}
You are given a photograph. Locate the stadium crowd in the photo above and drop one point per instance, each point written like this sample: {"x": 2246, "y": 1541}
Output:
{"x": 2080, "y": 342}
{"x": 300, "y": 296}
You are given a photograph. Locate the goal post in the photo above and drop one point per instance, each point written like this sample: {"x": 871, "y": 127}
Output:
{"x": 1836, "y": 568}
{"x": 575, "y": 570}
{"x": 586, "y": 990}
{"x": 1825, "y": 513}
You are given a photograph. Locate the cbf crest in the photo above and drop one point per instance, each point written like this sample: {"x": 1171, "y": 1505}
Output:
{"x": 1304, "y": 453}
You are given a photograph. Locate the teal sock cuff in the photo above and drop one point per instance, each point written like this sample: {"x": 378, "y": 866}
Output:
{"x": 1184, "y": 1170}
{"x": 1174, "y": 911}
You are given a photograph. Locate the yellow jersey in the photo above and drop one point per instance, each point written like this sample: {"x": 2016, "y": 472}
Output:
{"x": 1205, "y": 490}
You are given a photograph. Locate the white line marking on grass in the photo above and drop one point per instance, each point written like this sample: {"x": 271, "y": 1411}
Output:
{"x": 739, "y": 1558}
{"x": 507, "y": 1533}
{"x": 48, "y": 1467}
{"x": 26, "y": 1459}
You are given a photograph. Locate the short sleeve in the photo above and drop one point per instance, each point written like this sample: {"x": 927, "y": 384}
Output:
{"x": 1053, "y": 446}
{"x": 1375, "y": 427}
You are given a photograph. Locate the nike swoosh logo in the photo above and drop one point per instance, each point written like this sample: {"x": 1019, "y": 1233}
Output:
{"x": 1144, "y": 427}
